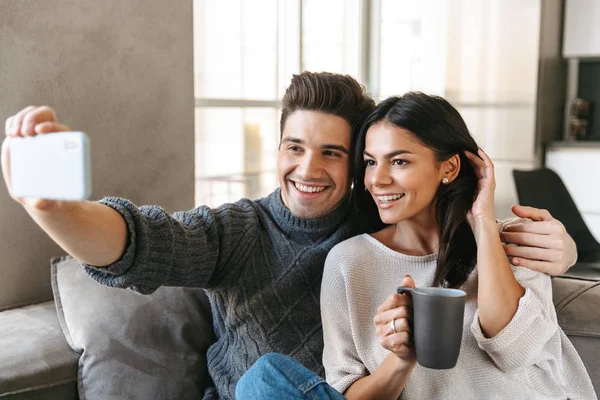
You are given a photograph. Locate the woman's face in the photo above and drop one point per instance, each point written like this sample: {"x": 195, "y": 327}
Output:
{"x": 401, "y": 174}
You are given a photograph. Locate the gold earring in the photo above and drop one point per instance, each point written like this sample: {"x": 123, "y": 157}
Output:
{"x": 445, "y": 181}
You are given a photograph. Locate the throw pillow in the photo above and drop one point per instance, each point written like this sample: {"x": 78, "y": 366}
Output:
{"x": 133, "y": 346}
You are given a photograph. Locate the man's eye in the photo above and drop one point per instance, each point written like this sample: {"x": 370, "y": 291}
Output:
{"x": 398, "y": 163}
{"x": 329, "y": 153}
{"x": 294, "y": 148}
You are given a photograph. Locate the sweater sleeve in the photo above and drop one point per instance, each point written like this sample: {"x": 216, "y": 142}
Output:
{"x": 194, "y": 248}
{"x": 342, "y": 363}
{"x": 524, "y": 340}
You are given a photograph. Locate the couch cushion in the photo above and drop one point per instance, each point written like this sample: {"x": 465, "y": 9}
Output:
{"x": 133, "y": 346}
{"x": 577, "y": 302}
{"x": 35, "y": 359}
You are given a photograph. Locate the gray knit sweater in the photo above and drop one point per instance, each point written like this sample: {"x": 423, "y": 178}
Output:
{"x": 261, "y": 266}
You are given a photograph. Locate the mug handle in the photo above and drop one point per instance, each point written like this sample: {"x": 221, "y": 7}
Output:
{"x": 402, "y": 290}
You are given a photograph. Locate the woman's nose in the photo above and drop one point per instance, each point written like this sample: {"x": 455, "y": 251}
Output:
{"x": 381, "y": 176}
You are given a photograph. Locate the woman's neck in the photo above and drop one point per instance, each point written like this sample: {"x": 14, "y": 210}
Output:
{"x": 418, "y": 236}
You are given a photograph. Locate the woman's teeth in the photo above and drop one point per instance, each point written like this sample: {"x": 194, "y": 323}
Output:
{"x": 309, "y": 189}
{"x": 386, "y": 199}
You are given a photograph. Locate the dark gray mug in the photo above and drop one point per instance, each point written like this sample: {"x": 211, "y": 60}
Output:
{"x": 438, "y": 315}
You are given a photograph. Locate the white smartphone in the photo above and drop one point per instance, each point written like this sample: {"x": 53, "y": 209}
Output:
{"x": 53, "y": 166}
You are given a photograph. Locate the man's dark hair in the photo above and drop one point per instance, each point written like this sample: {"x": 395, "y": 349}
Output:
{"x": 327, "y": 92}
{"x": 439, "y": 126}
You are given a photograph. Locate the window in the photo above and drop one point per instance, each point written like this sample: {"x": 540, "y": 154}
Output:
{"x": 245, "y": 55}
{"x": 247, "y": 51}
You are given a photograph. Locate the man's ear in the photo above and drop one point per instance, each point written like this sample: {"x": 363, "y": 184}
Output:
{"x": 451, "y": 168}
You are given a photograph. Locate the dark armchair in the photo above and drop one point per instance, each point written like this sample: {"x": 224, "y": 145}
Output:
{"x": 543, "y": 188}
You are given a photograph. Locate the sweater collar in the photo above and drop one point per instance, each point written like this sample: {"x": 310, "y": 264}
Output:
{"x": 322, "y": 225}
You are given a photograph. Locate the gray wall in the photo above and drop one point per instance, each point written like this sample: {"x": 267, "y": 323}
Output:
{"x": 122, "y": 71}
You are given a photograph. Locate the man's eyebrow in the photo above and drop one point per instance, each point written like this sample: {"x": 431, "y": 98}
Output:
{"x": 293, "y": 140}
{"x": 337, "y": 147}
{"x": 389, "y": 155}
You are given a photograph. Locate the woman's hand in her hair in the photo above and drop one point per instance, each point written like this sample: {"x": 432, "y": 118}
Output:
{"x": 397, "y": 310}
{"x": 483, "y": 206}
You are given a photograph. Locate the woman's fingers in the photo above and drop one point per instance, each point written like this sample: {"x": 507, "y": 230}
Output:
{"x": 394, "y": 341}
{"x": 400, "y": 325}
{"x": 385, "y": 317}
{"x": 477, "y": 163}
{"x": 399, "y": 344}
{"x": 401, "y": 321}
{"x": 393, "y": 301}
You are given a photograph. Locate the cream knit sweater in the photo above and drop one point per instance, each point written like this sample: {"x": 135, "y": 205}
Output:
{"x": 531, "y": 358}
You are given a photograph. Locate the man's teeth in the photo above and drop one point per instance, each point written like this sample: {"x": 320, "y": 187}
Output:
{"x": 309, "y": 189}
{"x": 386, "y": 199}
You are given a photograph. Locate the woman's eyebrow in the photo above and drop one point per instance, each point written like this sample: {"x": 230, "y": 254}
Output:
{"x": 389, "y": 155}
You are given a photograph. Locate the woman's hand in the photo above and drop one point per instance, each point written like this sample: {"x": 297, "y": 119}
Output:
{"x": 483, "y": 206}
{"x": 396, "y": 310}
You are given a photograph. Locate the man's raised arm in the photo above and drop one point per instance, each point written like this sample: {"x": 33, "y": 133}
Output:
{"x": 91, "y": 232}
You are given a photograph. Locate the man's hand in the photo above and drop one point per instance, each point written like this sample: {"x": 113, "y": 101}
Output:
{"x": 543, "y": 245}
{"x": 30, "y": 121}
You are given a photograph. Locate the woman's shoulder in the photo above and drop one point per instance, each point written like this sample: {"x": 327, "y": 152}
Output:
{"x": 351, "y": 246}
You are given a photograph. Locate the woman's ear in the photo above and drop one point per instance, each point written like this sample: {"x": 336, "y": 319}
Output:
{"x": 451, "y": 168}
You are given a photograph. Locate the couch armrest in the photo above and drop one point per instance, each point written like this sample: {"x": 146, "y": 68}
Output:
{"x": 35, "y": 359}
{"x": 576, "y": 300}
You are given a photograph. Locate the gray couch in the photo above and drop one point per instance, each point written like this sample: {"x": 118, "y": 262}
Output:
{"x": 36, "y": 362}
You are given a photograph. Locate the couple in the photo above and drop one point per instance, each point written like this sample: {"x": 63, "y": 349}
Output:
{"x": 261, "y": 262}
{"x": 434, "y": 189}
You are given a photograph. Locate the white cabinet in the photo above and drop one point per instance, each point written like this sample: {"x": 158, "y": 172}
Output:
{"x": 582, "y": 29}
{"x": 579, "y": 169}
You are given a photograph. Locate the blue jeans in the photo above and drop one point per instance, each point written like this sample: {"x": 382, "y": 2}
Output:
{"x": 275, "y": 376}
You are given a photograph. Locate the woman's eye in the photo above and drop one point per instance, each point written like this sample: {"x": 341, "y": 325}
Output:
{"x": 369, "y": 163}
{"x": 398, "y": 163}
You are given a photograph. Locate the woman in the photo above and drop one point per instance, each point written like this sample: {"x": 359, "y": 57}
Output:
{"x": 423, "y": 177}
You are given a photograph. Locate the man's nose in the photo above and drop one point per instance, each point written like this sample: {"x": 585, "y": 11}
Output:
{"x": 310, "y": 166}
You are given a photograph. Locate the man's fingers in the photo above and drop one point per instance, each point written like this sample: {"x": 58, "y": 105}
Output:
{"x": 6, "y": 160}
{"x": 37, "y": 116}
{"x": 531, "y": 240}
{"x": 536, "y": 265}
{"x": 539, "y": 227}
{"x": 16, "y": 121}
{"x": 535, "y": 214}
{"x": 7, "y": 125}
{"x": 534, "y": 253}
{"x": 48, "y": 127}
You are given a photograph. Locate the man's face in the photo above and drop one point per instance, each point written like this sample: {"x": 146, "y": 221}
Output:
{"x": 314, "y": 163}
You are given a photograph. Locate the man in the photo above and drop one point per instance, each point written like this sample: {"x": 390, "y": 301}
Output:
{"x": 260, "y": 261}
